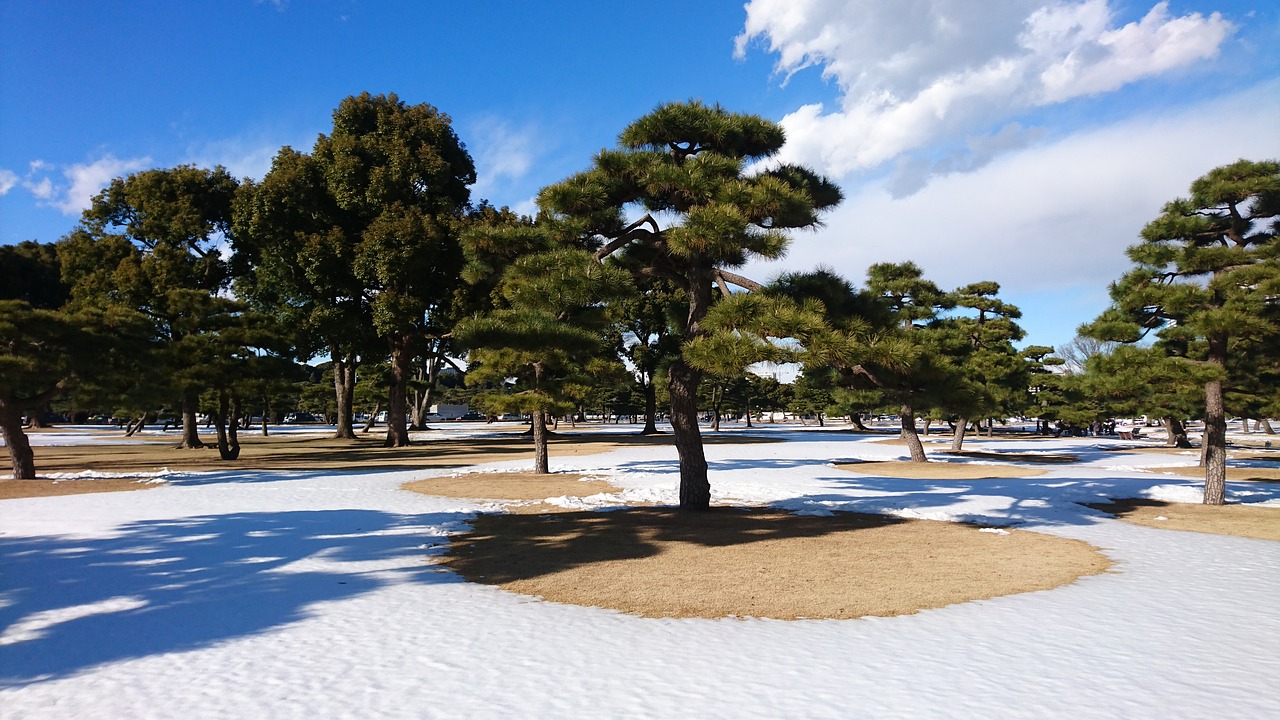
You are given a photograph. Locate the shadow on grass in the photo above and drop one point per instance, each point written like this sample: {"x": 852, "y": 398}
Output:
{"x": 507, "y": 548}
{"x": 162, "y": 586}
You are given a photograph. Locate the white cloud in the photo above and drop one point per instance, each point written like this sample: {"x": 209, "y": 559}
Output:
{"x": 1050, "y": 217}
{"x": 913, "y": 72}
{"x": 242, "y": 157}
{"x": 1153, "y": 45}
{"x": 8, "y": 180}
{"x": 86, "y": 180}
{"x": 505, "y": 153}
{"x": 42, "y": 188}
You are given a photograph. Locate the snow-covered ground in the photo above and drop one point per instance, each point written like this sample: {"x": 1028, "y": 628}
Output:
{"x": 309, "y": 595}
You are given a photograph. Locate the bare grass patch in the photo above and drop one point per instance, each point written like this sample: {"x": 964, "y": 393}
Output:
{"x": 12, "y": 489}
{"x": 515, "y": 486}
{"x": 1262, "y": 523}
{"x": 660, "y": 562}
{"x": 1234, "y": 474}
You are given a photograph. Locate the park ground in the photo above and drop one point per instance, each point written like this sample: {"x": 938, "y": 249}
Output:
{"x": 317, "y": 579}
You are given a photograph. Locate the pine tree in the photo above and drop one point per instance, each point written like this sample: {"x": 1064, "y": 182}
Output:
{"x": 1206, "y": 281}
{"x": 686, "y": 165}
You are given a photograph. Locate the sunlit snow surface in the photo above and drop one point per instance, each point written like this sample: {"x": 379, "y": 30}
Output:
{"x": 308, "y": 595}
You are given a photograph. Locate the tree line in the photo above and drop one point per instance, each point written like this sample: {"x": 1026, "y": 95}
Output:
{"x": 186, "y": 285}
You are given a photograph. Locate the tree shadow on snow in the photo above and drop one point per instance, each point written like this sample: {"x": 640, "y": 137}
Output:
{"x": 159, "y": 586}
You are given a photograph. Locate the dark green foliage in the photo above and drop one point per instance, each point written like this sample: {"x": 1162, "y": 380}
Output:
{"x": 44, "y": 353}
{"x": 686, "y": 165}
{"x": 359, "y": 240}
{"x": 31, "y": 272}
{"x": 1205, "y": 280}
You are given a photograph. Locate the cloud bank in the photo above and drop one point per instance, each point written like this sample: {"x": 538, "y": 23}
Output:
{"x": 916, "y": 72}
{"x": 1053, "y": 216}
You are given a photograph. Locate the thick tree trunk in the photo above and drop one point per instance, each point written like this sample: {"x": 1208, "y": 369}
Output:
{"x": 190, "y": 428}
{"x": 927, "y": 423}
{"x": 695, "y": 490}
{"x": 908, "y": 415}
{"x": 957, "y": 440}
{"x": 540, "y": 464}
{"x": 398, "y": 394}
{"x": 1175, "y": 433}
{"x": 344, "y": 389}
{"x": 856, "y": 419}
{"x": 1215, "y": 429}
{"x": 650, "y": 409}
{"x": 20, "y": 453}
{"x": 1266, "y": 426}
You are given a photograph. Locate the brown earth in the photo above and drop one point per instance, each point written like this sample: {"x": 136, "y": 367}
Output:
{"x": 10, "y": 489}
{"x": 1262, "y": 523}
{"x": 512, "y": 486}
{"x": 934, "y": 470}
{"x": 659, "y": 562}
{"x": 292, "y": 452}
{"x": 1234, "y": 474}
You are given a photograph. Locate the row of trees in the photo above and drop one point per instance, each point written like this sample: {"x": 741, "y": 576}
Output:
{"x": 185, "y": 283}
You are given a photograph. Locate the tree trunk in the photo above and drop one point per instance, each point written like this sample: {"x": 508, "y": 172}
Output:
{"x": 398, "y": 394}
{"x": 540, "y": 465}
{"x": 344, "y": 388}
{"x": 373, "y": 418}
{"x": 1175, "y": 432}
{"x": 1215, "y": 428}
{"x": 856, "y": 419}
{"x": 135, "y": 425}
{"x": 1266, "y": 426}
{"x": 190, "y": 428}
{"x": 23, "y": 459}
{"x": 266, "y": 412}
{"x": 820, "y": 422}
{"x": 650, "y": 409}
{"x": 908, "y": 415}
{"x": 957, "y": 440}
{"x": 695, "y": 490}
{"x": 927, "y": 423}
{"x": 225, "y": 424}
{"x": 715, "y": 408}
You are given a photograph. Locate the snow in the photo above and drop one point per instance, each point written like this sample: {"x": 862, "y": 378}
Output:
{"x": 309, "y": 594}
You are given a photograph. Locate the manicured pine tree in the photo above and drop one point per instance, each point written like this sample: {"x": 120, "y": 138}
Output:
{"x": 1205, "y": 279}
{"x": 931, "y": 377}
{"x": 547, "y": 328}
{"x": 685, "y": 165}
{"x": 44, "y": 353}
{"x": 989, "y": 363}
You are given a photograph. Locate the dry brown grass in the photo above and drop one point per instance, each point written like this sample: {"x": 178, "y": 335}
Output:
{"x": 514, "y": 486}
{"x": 1262, "y": 523}
{"x": 1234, "y": 474}
{"x": 659, "y": 562}
{"x": 1033, "y": 458}
{"x": 291, "y": 452}
{"x": 11, "y": 489}
{"x": 938, "y": 470}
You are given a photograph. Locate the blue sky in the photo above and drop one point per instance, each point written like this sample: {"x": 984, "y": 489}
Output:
{"x": 1021, "y": 141}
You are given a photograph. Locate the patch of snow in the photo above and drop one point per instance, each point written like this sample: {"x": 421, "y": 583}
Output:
{"x": 315, "y": 594}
